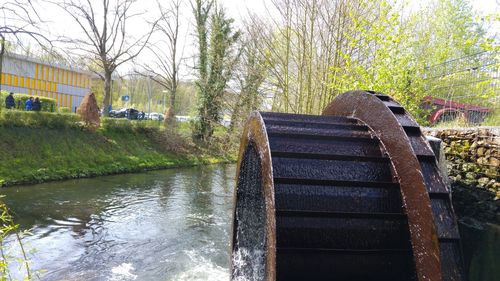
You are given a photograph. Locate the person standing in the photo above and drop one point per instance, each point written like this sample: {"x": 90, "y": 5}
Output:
{"x": 10, "y": 102}
{"x": 29, "y": 104}
{"x": 37, "y": 105}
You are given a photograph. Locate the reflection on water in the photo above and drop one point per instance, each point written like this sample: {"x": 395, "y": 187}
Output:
{"x": 163, "y": 225}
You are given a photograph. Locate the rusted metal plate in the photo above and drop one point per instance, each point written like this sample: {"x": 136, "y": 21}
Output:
{"x": 338, "y": 198}
{"x": 339, "y": 264}
{"x": 275, "y": 116}
{"x": 254, "y": 135}
{"x": 348, "y": 147}
{"x": 334, "y": 189}
{"x": 379, "y": 116}
{"x": 436, "y": 184}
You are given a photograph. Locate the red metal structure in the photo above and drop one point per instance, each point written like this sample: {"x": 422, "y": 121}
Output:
{"x": 447, "y": 110}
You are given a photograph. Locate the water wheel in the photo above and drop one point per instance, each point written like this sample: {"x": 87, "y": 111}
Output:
{"x": 354, "y": 194}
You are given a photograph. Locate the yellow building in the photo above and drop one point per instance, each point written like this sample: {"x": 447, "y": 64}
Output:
{"x": 21, "y": 74}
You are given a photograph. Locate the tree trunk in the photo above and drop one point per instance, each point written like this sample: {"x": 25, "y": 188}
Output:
{"x": 107, "y": 92}
{"x": 2, "y": 52}
{"x": 171, "y": 112}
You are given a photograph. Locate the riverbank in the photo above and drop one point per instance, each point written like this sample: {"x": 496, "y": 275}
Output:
{"x": 40, "y": 153}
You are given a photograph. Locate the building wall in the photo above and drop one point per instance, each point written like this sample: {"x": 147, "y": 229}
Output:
{"x": 33, "y": 77}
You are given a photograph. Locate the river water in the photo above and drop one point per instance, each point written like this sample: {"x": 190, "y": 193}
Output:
{"x": 162, "y": 225}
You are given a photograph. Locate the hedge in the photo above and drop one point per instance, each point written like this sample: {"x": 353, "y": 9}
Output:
{"x": 32, "y": 119}
{"x": 48, "y": 104}
{"x": 123, "y": 125}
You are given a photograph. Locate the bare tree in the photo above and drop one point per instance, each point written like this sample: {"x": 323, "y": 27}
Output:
{"x": 20, "y": 19}
{"x": 303, "y": 42}
{"x": 249, "y": 75}
{"x": 165, "y": 70}
{"x": 106, "y": 41}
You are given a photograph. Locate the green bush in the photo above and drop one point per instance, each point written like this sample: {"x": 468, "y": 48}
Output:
{"x": 123, "y": 125}
{"x": 31, "y": 119}
{"x": 48, "y": 104}
{"x": 64, "y": 110}
{"x": 116, "y": 125}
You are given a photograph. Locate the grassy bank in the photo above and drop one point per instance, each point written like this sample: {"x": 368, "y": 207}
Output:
{"x": 38, "y": 153}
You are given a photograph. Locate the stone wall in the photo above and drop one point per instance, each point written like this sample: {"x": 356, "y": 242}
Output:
{"x": 473, "y": 156}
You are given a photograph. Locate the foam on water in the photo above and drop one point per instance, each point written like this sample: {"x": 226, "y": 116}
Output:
{"x": 201, "y": 268}
{"x": 249, "y": 245}
{"x": 122, "y": 272}
{"x": 248, "y": 264}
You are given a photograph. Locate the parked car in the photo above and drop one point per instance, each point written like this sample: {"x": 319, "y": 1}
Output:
{"x": 129, "y": 113}
{"x": 132, "y": 114}
{"x": 118, "y": 113}
{"x": 181, "y": 118}
{"x": 156, "y": 116}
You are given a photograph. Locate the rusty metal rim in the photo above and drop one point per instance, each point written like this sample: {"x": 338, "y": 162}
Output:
{"x": 255, "y": 133}
{"x": 416, "y": 202}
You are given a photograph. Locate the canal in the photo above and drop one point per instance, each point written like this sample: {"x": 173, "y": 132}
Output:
{"x": 162, "y": 225}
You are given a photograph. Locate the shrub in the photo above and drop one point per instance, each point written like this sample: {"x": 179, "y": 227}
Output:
{"x": 64, "y": 110}
{"x": 48, "y": 104}
{"x": 116, "y": 124}
{"x": 9, "y": 227}
{"x": 123, "y": 125}
{"x": 31, "y": 119}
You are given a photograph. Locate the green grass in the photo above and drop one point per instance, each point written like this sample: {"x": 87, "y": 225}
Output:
{"x": 31, "y": 154}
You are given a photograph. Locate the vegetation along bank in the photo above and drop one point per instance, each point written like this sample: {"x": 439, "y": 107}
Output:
{"x": 38, "y": 147}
